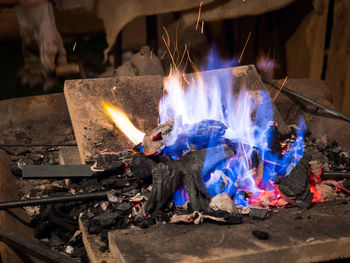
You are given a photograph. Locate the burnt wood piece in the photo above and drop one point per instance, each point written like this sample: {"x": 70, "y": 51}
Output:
{"x": 296, "y": 185}
{"x": 56, "y": 171}
{"x": 33, "y": 247}
{"x": 13, "y": 219}
{"x": 169, "y": 175}
{"x": 141, "y": 166}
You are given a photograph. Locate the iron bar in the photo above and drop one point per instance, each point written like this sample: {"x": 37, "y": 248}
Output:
{"x": 53, "y": 200}
{"x": 308, "y": 100}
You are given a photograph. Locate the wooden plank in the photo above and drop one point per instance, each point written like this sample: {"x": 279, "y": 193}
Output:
{"x": 68, "y": 155}
{"x": 34, "y": 248}
{"x": 12, "y": 219}
{"x": 305, "y": 48}
{"x": 338, "y": 66}
{"x": 322, "y": 234}
{"x": 92, "y": 247}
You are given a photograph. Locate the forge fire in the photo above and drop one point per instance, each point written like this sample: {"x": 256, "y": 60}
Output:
{"x": 228, "y": 138}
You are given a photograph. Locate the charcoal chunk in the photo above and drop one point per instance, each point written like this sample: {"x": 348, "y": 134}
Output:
{"x": 108, "y": 162}
{"x": 94, "y": 227}
{"x": 141, "y": 166}
{"x": 258, "y": 213}
{"x": 260, "y": 234}
{"x": 107, "y": 218}
{"x": 296, "y": 185}
{"x": 143, "y": 221}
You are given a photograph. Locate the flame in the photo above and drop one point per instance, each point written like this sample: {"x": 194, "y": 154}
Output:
{"x": 210, "y": 97}
{"x": 122, "y": 121}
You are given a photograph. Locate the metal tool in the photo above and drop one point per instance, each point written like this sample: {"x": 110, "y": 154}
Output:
{"x": 56, "y": 171}
{"x": 308, "y": 100}
{"x": 53, "y": 200}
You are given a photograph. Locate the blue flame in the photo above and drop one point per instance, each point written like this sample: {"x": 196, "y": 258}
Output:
{"x": 245, "y": 119}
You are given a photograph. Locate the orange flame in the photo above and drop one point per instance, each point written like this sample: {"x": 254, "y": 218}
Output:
{"x": 122, "y": 121}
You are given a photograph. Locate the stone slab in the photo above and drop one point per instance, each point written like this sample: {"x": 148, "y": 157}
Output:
{"x": 322, "y": 234}
{"x": 138, "y": 97}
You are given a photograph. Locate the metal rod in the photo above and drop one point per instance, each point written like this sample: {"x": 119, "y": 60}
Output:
{"x": 37, "y": 145}
{"x": 53, "y": 200}
{"x": 335, "y": 175}
{"x": 308, "y": 100}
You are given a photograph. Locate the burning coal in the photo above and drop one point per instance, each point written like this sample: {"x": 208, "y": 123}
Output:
{"x": 212, "y": 112}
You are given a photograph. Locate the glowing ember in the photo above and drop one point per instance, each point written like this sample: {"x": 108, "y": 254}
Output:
{"x": 122, "y": 121}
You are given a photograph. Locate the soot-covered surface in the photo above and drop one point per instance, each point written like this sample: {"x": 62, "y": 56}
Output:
{"x": 295, "y": 235}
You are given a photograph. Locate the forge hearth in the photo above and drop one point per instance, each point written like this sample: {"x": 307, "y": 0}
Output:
{"x": 137, "y": 184}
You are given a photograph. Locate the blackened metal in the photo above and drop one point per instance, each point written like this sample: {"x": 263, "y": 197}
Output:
{"x": 335, "y": 175}
{"x": 52, "y": 200}
{"x": 56, "y": 171}
{"x": 308, "y": 100}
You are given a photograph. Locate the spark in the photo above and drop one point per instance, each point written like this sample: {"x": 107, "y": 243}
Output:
{"x": 75, "y": 44}
{"x": 171, "y": 56}
{"x": 176, "y": 33}
{"x": 199, "y": 14}
{"x": 192, "y": 63}
{"x": 280, "y": 89}
{"x": 183, "y": 55}
{"x": 245, "y": 45}
{"x": 202, "y": 27}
